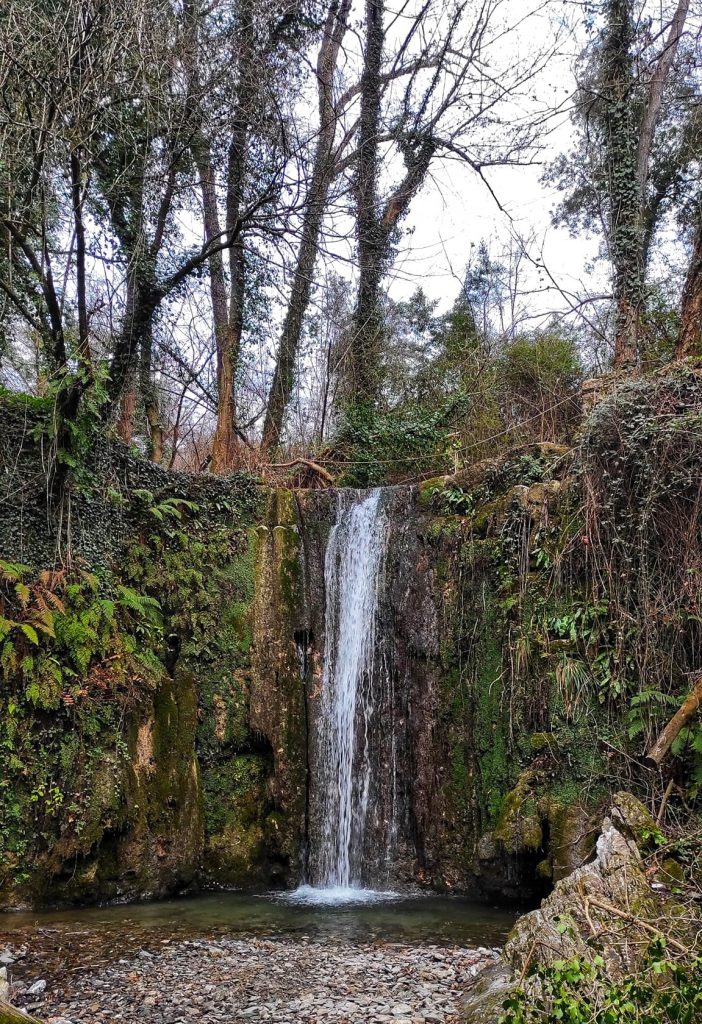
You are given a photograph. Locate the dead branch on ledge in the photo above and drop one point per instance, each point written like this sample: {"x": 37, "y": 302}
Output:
{"x": 314, "y": 466}
{"x": 682, "y": 716}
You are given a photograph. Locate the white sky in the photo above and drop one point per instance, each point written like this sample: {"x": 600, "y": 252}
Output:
{"x": 455, "y": 209}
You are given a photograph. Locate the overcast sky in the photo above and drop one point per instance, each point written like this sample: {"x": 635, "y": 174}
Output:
{"x": 455, "y": 208}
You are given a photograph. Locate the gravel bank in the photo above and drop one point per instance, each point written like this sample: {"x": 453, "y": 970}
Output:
{"x": 280, "y": 980}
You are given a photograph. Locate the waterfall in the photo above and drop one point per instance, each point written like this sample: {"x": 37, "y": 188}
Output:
{"x": 350, "y": 696}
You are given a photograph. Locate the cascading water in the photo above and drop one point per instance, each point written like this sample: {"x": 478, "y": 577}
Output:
{"x": 352, "y": 569}
{"x": 350, "y": 698}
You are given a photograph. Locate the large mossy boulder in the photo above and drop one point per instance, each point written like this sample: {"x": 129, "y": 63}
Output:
{"x": 585, "y": 916}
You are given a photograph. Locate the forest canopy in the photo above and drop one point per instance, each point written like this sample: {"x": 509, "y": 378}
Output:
{"x": 207, "y": 215}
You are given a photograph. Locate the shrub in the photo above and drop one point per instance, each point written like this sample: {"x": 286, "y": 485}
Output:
{"x": 540, "y": 380}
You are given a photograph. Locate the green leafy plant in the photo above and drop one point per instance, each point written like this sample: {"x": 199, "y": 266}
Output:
{"x": 664, "y": 991}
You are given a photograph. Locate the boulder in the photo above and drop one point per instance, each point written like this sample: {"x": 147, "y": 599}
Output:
{"x": 594, "y": 902}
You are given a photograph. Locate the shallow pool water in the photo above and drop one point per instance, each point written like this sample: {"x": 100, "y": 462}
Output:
{"x": 356, "y": 916}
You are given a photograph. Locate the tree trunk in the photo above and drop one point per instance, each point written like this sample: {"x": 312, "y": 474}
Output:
{"x": 629, "y": 144}
{"x": 224, "y": 445}
{"x": 84, "y": 353}
{"x": 655, "y": 96}
{"x": 142, "y": 301}
{"x": 224, "y": 439}
{"x": 225, "y": 448}
{"x": 689, "y": 341}
{"x": 622, "y": 158}
{"x": 227, "y": 311}
{"x": 322, "y": 175}
{"x": 227, "y": 337}
{"x": 127, "y": 410}
{"x": 628, "y": 317}
{"x": 367, "y": 326}
{"x": 149, "y": 397}
{"x": 375, "y": 231}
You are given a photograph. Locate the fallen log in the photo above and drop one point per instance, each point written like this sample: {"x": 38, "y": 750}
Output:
{"x": 10, "y": 1015}
{"x": 686, "y": 711}
{"x": 314, "y": 466}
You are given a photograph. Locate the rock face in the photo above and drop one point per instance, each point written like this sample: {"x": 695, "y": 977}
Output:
{"x": 208, "y": 781}
{"x": 403, "y": 777}
{"x": 590, "y": 911}
{"x": 481, "y": 800}
{"x": 494, "y": 656}
{"x": 277, "y": 707}
{"x": 144, "y": 836}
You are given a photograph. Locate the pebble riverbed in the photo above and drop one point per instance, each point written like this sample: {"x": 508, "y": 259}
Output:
{"x": 283, "y": 980}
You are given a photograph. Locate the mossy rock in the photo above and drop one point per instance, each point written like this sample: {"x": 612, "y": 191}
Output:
{"x": 560, "y": 928}
{"x": 277, "y": 706}
{"x": 540, "y": 741}
{"x": 9, "y": 1015}
{"x": 544, "y": 869}
{"x": 483, "y": 1002}
{"x": 572, "y": 835}
{"x": 632, "y": 818}
{"x": 519, "y": 827}
{"x": 671, "y": 872}
{"x": 429, "y": 489}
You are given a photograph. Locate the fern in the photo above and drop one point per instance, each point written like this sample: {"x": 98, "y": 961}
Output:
{"x": 33, "y": 692}
{"x": 143, "y": 604}
{"x": 13, "y": 572}
{"x": 29, "y": 632}
{"x": 44, "y": 622}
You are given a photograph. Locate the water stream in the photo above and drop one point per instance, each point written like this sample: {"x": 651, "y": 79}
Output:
{"x": 345, "y": 783}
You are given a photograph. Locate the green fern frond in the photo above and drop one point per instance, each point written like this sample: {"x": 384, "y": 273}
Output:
{"x": 13, "y": 572}
{"x": 29, "y": 632}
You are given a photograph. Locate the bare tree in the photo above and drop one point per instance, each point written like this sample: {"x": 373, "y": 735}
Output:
{"x": 450, "y": 94}
{"x": 323, "y": 172}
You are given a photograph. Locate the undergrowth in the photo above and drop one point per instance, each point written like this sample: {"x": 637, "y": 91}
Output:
{"x": 665, "y": 990}
{"x": 84, "y": 652}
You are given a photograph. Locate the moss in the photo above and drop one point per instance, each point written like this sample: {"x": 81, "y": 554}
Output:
{"x": 489, "y": 735}
{"x": 427, "y": 490}
{"x": 544, "y": 869}
{"x": 444, "y": 526}
{"x": 671, "y": 872}
{"x": 540, "y": 741}
{"x": 634, "y": 819}
{"x": 572, "y": 834}
{"x": 518, "y": 824}
{"x": 506, "y": 709}
{"x": 236, "y": 804}
{"x": 278, "y": 709}
{"x": 489, "y": 513}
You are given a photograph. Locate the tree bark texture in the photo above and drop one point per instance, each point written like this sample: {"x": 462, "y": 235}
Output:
{"x": 323, "y": 170}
